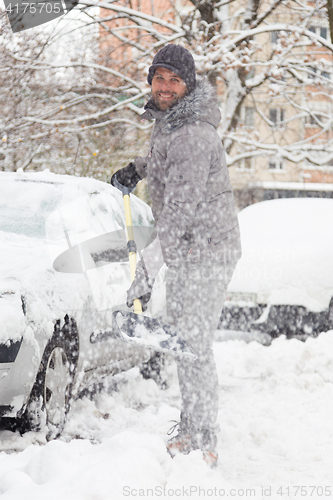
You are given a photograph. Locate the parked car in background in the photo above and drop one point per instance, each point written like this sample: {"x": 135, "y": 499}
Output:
{"x": 63, "y": 270}
{"x": 283, "y": 284}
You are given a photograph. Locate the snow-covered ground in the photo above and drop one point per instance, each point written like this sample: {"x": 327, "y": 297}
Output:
{"x": 276, "y": 438}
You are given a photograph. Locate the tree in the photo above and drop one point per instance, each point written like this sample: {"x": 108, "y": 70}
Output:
{"x": 271, "y": 62}
{"x": 57, "y": 109}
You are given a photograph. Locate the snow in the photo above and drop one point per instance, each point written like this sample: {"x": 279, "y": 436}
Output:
{"x": 294, "y": 186}
{"x": 287, "y": 256}
{"x": 275, "y": 417}
{"x": 39, "y": 219}
{"x": 154, "y": 334}
{"x": 276, "y": 402}
{"x": 12, "y": 317}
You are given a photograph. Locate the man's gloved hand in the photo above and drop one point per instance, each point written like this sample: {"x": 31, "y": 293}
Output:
{"x": 140, "y": 288}
{"x": 128, "y": 177}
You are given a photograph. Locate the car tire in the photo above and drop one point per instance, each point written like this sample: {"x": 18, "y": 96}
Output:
{"x": 50, "y": 397}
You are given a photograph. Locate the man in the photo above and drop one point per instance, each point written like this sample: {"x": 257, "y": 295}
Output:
{"x": 196, "y": 231}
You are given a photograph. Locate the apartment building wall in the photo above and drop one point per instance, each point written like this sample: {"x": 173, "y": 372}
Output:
{"x": 272, "y": 119}
{"x": 119, "y": 36}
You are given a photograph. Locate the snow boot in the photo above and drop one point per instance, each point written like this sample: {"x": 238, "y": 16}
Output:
{"x": 189, "y": 438}
{"x": 184, "y": 441}
{"x": 207, "y": 442}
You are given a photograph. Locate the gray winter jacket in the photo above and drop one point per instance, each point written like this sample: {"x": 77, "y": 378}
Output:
{"x": 188, "y": 181}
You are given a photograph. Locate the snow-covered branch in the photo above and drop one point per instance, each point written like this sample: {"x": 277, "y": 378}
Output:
{"x": 134, "y": 15}
{"x": 270, "y": 64}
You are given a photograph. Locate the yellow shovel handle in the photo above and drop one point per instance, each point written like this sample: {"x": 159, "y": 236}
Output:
{"x": 132, "y": 255}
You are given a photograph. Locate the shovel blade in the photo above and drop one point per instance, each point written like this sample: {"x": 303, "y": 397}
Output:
{"x": 149, "y": 332}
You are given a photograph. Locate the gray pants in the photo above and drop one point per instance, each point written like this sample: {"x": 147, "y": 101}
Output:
{"x": 195, "y": 296}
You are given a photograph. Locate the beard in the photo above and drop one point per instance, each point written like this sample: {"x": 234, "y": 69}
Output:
{"x": 164, "y": 105}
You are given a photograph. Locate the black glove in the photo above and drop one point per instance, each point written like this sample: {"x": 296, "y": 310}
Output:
{"x": 127, "y": 177}
{"x": 144, "y": 299}
{"x": 140, "y": 288}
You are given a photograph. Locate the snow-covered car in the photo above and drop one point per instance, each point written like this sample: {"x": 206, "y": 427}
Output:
{"x": 63, "y": 270}
{"x": 283, "y": 283}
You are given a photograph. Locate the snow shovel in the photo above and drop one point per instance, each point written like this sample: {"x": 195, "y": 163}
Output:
{"x": 134, "y": 327}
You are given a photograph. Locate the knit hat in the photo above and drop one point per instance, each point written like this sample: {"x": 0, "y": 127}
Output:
{"x": 176, "y": 59}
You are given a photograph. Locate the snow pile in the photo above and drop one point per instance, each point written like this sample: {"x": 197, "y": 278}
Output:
{"x": 12, "y": 317}
{"x": 287, "y": 252}
{"x": 276, "y": 432}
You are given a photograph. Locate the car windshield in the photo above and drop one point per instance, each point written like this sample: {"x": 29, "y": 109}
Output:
{"x": 25, "y": 205}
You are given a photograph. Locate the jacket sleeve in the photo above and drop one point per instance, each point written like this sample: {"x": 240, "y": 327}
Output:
{"x": 188, "y": 162}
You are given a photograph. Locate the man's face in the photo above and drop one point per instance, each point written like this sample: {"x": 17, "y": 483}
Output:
{"x": 167, "y": 88}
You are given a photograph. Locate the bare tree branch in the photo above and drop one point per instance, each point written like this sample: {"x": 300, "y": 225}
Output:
{"x": 262, "y": 56}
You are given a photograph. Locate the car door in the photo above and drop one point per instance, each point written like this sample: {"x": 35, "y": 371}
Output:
{"x": 92, "y": 241}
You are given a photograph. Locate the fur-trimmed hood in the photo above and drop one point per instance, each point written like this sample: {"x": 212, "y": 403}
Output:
{"x": 199, "y": 105}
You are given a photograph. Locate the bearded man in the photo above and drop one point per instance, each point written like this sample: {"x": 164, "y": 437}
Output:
{"x": 196, "y": 232}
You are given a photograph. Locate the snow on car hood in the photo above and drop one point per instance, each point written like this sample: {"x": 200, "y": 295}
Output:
{"x": 287, "y": 252}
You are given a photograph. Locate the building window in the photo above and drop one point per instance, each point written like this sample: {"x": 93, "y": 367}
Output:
{"x": 320, "y": 30}
{"x": 314, "y": 118}
{"x": 312, "y": 72}
{"x": 250, "y": 74}
{"x": 276, "y": 116}
{"x": 249, "y": 116}
{"x": 275, "y": 163}
{"x": 273, "y": 115}
{"x": 247, "y": 164}
{"x": 274, "y": 37}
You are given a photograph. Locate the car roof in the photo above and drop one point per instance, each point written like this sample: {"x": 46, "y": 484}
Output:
{"x": 87, "y": 184}
{"x": 286, "y": 220}
{"x": 287, "y": 252}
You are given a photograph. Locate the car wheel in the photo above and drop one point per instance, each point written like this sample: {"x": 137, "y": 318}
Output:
{"x": 50, "y": 396}
{"x": 57, "y": 391}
